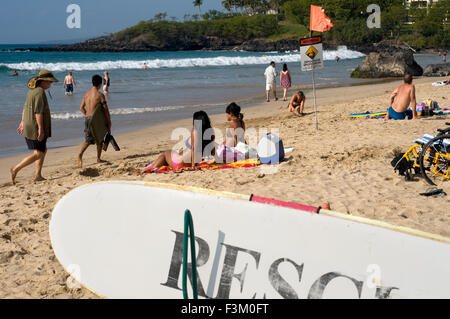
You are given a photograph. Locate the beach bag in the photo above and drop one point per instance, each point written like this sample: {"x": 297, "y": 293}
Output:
{"x": 270, "y": 149}
{"x": 246, "y": 150}
{"x": 227, "y": 154}
{"x": 403, "y": 166}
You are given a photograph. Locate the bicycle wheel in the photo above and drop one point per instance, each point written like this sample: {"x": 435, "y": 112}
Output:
{"x": 435, "y": 159}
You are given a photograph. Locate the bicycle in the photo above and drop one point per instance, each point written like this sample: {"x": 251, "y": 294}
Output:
{"x": 429, "y": 156}
{"x": 434, "y": 160}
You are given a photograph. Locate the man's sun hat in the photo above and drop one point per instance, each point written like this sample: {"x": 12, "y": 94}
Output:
{"x": 44, "y": 75}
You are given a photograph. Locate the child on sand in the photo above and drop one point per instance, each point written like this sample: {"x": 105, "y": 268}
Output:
{"x": 297, "y": 103}
{"x": 194, "y": 148}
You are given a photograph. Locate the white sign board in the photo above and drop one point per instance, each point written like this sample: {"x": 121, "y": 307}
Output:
{"x": 311, "y": 53}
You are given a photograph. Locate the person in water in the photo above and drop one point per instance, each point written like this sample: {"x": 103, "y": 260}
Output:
{"x": 69, "y": 82}
{"x": 106, "y": 82}
{"x": 15, "y": 73}
{"x": 91, "y": 100}
{"x": 401, "y": 98}
{"x": 297, "y": 103}
{"x": 36, "y": 124}
{"x": 194, "y": 146}
{"x": 236, "y": 129}
{"x": 285, "y": 80}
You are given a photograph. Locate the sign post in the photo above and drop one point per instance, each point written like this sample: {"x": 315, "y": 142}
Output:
{"x": 311, "y": 59}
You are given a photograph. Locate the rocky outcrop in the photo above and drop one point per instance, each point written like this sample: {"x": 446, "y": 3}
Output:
{"x": 381, "y": 65}
{"x": 442, "y": 69}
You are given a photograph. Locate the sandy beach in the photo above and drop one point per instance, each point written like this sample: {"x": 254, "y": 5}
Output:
{"x": 346, "y": 163}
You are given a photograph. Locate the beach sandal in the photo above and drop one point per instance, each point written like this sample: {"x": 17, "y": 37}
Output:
{"x": 435, "y": 192}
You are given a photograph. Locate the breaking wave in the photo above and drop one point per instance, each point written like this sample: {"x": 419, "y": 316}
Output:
{"x": 343, "y": 53}
{"x": 120, "y": 111}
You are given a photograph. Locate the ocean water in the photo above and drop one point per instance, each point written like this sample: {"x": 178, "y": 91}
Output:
{"x": 174, "y": 86}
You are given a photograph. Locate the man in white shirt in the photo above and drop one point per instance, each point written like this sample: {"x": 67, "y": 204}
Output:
{"x": 271, "y": 75}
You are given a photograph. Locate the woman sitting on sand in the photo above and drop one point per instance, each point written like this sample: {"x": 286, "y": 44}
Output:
{"x": 235, "y": 132}
{"x": 194, "y": 147}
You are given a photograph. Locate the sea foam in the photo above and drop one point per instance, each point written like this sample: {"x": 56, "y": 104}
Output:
{"x": 342, "y": 52}
{"x": 119, "y": 111}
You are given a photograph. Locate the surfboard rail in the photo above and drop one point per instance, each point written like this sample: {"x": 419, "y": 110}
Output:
{"x": 312, "y": 209}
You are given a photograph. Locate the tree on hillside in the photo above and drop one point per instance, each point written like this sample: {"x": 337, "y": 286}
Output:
{"x": 227, "y": 4}
{"x": 160, "y": 16}
{"x": 198, "y": 3}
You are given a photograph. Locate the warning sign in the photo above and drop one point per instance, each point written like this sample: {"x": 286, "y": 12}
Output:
{"x": 311, "y": 53}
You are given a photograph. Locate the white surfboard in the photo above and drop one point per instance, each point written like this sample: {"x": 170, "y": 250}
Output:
{"x": 124, "y": 240}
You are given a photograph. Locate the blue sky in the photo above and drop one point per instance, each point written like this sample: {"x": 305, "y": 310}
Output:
{"x": 39, "y": 21}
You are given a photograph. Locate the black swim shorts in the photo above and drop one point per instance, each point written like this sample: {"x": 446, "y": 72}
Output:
{"x": 88, "y": 138}
{"x": 36, "y": 145}
{"x": 69, "y": 88}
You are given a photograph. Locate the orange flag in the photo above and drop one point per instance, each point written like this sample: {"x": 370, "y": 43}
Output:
{"x": 319, "y": 21}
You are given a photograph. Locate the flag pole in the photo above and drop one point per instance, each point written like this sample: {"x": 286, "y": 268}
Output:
{"x": 314, "y": 89}
{"x": 314, "y": 94}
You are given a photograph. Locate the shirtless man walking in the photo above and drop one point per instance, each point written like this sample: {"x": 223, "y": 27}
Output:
{"x": 69, "y": 82}
{"x": 401, "y": 98}
{"x": 91, "y": 99}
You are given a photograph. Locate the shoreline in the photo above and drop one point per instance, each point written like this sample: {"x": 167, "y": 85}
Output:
{"x": 248, "y": 100}
{"x": 250, "y": 105}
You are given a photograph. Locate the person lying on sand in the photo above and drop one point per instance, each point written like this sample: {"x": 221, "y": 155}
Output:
{"x": 91, "y": 100}
{"x": 401, "y": 98}
{"x": 297, "y": 103}
{"x": 194, "y": 146}
{"x": 235, "y": 132}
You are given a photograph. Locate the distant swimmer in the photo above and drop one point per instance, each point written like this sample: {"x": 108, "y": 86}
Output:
{"x": 337, "y": 59}
{"x": 401, "y": 98}
{"x": 145, "y": 67}
{"x": 106, "y": 82}
{"x": 68, "y": 84}
{"x": 15, "y": 73}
